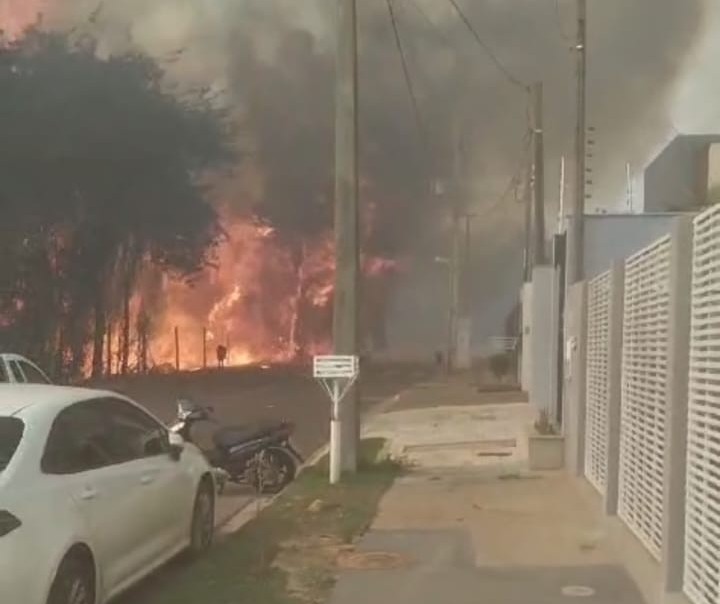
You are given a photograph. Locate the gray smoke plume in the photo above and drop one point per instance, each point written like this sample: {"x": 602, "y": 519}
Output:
{"x": 272, "y": 60}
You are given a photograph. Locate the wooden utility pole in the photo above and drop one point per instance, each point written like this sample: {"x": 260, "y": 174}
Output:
{"x": 538, "y": 176}
{"x": 346, "y": 428}
{"x": 576, "y": 226}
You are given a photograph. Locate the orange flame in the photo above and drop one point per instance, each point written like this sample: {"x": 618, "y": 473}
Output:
{"x": 17, "y": 15}
{"x": 268, "y": 300}
{"x": 252, "y": 303}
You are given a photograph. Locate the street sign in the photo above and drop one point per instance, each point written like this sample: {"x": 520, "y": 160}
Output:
{"x": 503, "y": 343}
{"x": 327, "y": 367}
{"x": 336, "y": 374}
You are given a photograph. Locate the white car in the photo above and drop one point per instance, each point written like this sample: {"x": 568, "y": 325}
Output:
{"x": 16, "y": 369}
{"x": 95, "y": 493}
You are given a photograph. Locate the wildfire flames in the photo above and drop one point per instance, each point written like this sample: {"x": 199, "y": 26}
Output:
{"x": 268, "y": 297}
{"x": 267, "y": 300}
{"x": 17, "y": 15}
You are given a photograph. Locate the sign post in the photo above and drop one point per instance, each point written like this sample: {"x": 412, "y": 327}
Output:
{"x": 336, "y": 374}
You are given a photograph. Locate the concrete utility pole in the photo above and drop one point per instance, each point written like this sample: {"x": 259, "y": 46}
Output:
{"x": 466, "y": 260}
{"x": 347, "y": 245}
{"x": 527, "y": 200}
{"x": 538, "y": 176}
{"x": 576, "y": 223}
{"x": 463, "y": 351}
{"x": 456, "y": 253}
{"x": 561, "y": 204}
{"x": 455, "y": 258}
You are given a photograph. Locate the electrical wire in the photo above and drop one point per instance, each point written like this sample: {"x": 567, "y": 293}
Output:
{"x": 488, "y": 51}
{"x": 406, "y": 71}
{"x": 431, "y": 24}
{"x": 514, "y": 182}
{"x": 515, "y": 179}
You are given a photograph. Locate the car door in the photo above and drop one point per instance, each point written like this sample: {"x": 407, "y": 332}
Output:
{"x": 80, "y": 456}
{"x": 165, "y": 483}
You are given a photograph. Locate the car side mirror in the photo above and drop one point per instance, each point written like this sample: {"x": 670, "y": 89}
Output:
{"x": 177, "y": 445}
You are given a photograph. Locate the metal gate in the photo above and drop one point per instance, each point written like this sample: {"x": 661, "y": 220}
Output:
{"x": 702, "y": 520}
{"x": 596, "y": 396}
{"x": 644, "y": 370}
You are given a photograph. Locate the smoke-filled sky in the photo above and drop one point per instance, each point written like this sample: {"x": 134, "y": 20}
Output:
{"x": 648, "y": 62}
{"x": 637, "y": 51}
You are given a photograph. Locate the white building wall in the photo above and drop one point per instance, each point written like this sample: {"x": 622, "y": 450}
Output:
{"x": 544, "y": 341}
{"x": 526, "y": 359}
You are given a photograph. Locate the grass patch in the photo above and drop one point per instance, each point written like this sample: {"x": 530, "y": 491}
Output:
{"x": 287, "y": 554}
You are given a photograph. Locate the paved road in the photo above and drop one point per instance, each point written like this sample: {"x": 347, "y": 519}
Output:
{"x": 244, "y": 395}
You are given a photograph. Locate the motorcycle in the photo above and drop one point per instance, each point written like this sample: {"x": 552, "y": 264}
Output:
{"x": 259, "y": 454}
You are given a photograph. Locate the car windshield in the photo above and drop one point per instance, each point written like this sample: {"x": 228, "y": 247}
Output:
{"x": 11, "y": 431}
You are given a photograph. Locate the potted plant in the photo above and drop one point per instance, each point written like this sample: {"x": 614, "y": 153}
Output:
{"x": 546, "y": 446}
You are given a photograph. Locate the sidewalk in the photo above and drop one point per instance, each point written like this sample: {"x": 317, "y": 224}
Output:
{"x": 470, "y": 525}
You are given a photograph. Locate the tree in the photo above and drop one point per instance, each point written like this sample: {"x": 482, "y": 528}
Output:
{"x": 102, "y": 172}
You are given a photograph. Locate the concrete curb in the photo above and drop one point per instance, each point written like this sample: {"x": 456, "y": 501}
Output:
{"x": 250, "y": 511}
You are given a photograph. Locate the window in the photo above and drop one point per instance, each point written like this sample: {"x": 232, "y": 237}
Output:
{"x": 78, "y": 441}
{"x": 11, "y": 432}
{"x": 4, "y": 377}
{"x": 101, "y": 432}
{"x": 32, "y": 374}
{"x": 16, "y": 372}
{"x": 134, "y": 434}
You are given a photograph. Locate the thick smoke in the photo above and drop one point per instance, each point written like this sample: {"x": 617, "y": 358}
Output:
{"x": 272, "y": 61}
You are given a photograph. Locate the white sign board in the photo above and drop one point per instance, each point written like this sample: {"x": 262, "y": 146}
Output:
{"x": 328, "y": 367}
{"x": 503, "y": 343}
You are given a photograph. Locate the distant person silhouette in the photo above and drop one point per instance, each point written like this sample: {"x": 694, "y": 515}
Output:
{"x": 221, "y": 355}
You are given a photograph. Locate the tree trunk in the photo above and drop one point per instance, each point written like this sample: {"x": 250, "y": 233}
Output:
{"x": 108, "y": 369}
{"x": 143, "y": 329}
{"x": 125, "y": 353}
{"x": 59, "y": 369}
{"x": 296, "y": 337}
{"x": 98, "y": 336}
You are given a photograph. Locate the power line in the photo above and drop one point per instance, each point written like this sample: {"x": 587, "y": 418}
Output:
{"x": 489, "y": 51}
{"x": 432, "y": 25}
{"x": 406, "y": 71}
{"x": 514, "y": 181}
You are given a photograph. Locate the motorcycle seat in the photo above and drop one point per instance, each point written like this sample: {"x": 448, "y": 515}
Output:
{"x": 231, "y": 436}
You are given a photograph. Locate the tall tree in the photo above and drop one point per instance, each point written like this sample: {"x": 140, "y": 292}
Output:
{"x": 102, "y": 171}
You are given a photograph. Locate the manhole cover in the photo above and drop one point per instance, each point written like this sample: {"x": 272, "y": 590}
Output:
{"x": 578, "y": 591}
{"x": 372, "y": 560}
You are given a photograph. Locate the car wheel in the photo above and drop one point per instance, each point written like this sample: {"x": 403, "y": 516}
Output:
{"x": 74, "y": 583}
{"x": 202, "y": 529}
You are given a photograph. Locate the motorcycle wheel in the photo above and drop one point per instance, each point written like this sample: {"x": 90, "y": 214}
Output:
{"x": 275, "y": 470}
